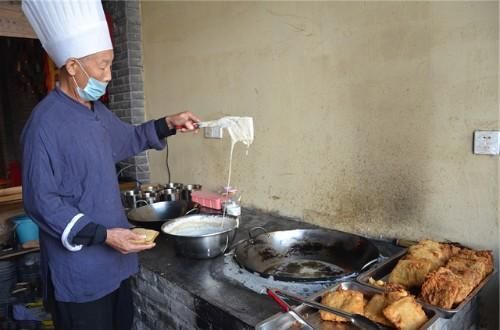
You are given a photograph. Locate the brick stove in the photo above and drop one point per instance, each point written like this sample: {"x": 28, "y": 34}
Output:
{"x": 173, "y": 292}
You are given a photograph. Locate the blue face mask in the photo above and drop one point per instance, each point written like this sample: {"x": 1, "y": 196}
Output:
{"x": 93, "y": 90}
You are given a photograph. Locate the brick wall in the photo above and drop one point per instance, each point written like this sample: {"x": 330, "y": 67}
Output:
{"x": 126, "y": 89}
{"x": 161, "y": 304}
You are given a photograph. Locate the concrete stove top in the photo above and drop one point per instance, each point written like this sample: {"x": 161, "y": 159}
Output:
{"x": 175, "y": 292}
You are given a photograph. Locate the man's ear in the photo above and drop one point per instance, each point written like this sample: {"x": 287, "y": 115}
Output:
{"x": 70, "y": 66}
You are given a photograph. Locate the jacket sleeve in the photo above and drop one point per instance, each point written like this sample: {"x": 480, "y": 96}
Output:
{"x": 129, "y": 140}
{"x": 91, "y": 234}
{"x": 42, "y": 199}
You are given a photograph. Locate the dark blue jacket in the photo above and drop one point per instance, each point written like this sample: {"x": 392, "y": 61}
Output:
{"x": 69, "y": 181}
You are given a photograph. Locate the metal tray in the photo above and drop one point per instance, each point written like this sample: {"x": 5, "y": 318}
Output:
{"x": 382, "y": 270}
{"x": 281, "y": 321}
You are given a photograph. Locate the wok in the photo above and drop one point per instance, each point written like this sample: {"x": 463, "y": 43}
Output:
{"x": 154, "y": 215}
{"x": 306, "y": 254}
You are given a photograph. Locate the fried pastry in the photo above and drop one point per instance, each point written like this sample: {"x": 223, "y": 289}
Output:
{"x": 454, "y": 248}
{"x": 410, "y": 272}
{"x": 394, "y": 292}
{"x": 150, "y": 235}
{"x": 471, "y": 271}
{"x": 484, "y": 259}
{"x": 470, "y": 279}
{"x": 374, "y": 309}
{"x": 445, "y": 273}
{"x": 441, "y": 288}
{"x": 406, "y": 314}
{"x": 435, "y": 252}
{"x": 472, "y": 267}
{"x": 375, "y": 282}
{"x": 347, "y": 300}
{"x": 326, "y": 325}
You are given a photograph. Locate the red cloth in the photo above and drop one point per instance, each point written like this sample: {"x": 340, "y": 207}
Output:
{"x": 15, "y": 173}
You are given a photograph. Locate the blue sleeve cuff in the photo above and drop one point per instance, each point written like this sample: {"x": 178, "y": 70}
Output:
{"x": 74, "y": 226}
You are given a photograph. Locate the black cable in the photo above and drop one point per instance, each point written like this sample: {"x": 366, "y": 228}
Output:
{"x": 166, "y": 161}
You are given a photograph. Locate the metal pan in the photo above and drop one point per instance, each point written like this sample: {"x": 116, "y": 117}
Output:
{"x": 154, "y": 215}
{"x": 382, "y": 271}
{"x": 311, "y": 315}
{"x": 306, "y": 255}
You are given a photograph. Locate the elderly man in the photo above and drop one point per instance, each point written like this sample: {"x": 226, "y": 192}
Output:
{"x": 70, "y": 146}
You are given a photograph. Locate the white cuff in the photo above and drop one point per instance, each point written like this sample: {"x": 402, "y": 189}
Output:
{"x": 67, "y": 230}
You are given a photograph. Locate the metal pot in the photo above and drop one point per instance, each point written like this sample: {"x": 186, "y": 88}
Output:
{"x": 171, "y": 194}
{"x": 129, "y": 199}
{"x": 153, "y": 187}
{"x": 201, "y": 236}
{"x": 186, "y": 191}
{"x": 154, "y": 215}
{"x": 306, "y": 254}
{"x": 174, "y": 185}
{"x": 148, "y": 197}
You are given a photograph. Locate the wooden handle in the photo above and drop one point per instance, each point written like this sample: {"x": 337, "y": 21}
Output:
{"x": 405, "y": 242}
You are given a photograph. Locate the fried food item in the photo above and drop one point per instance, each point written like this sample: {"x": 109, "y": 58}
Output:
{"x": 410, "y": 272}
{"x": 471, "y": 272}
{"x": 406, "y": 314}
{"x": 375, "y": 282}
{"x": 454, "y": 248}
{"x": 451, "y": 285}
{"x": 472, "y": 267}
{"x": 470, "y": 279}
{"x": 394, "y": 292}
{"x": 482, "y": 259}
{"x": 421, "y": 259}
{"x": 441, "y": 288}
{"x": 374, "y": 309}
{"x": 445, "y": 273}
{"x": 435, "y": 252}
{"x": 150, "y": 235}
{"x": 347, "y": 300}
{"x": 395, "y": 308}
{"x": 326, "y": 325}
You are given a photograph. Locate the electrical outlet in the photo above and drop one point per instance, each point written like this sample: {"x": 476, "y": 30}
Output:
{"x": 487, "y": 142}
{"x": 213, "y": 132}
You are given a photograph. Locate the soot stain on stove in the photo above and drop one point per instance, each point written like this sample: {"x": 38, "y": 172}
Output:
{"x": 306, "y": 248}
{"x": 309, "y": 268}
{"x": 268, "y": 253}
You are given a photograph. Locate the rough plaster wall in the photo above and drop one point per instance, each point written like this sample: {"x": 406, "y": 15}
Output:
{"x": 364, "y": 111}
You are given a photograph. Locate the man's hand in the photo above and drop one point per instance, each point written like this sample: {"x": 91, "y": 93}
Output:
{"x": 122, "y": 239}
{"x": 184, "y": 121}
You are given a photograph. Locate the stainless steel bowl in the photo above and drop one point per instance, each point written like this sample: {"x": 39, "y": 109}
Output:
{"x": 202, "y": 236}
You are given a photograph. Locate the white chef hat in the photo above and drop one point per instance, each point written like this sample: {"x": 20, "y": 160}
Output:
{"x": 68, "y": 28}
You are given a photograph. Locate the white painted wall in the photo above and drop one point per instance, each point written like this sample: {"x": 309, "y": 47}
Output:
{"x": 364, "y": 111}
